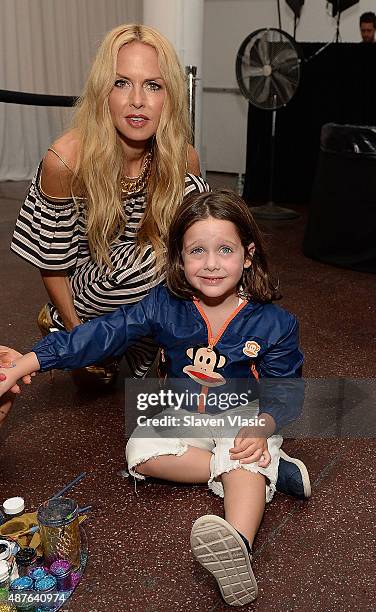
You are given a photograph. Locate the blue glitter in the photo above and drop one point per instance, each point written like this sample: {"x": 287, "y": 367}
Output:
{"x": 24, "y": 583}
{"x": 37, "y": 572}
{"x": 47, "y": 583}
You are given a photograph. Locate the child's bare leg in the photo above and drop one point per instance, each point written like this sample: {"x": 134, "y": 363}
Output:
{"x": 192, "y": 467}
{"x": 244, "y": 501}
{"x": 220, "y": 545}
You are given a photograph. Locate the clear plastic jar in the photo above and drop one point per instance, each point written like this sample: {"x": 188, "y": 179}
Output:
{"x": 59, "y": 531}
{"x": 26, "y": 558}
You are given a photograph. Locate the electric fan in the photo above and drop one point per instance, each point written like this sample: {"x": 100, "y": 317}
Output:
{"x": 268, "y": 69}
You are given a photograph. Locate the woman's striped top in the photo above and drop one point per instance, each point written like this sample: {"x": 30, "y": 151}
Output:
{"x": 50, "y": 234}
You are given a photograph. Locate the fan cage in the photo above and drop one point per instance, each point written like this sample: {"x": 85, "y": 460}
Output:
{"x": 268, "y": 68}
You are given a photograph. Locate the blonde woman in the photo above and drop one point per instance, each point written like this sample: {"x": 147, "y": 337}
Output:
{"x": 99, "y": 206}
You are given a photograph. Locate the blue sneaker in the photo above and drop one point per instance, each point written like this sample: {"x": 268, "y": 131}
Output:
{"x": 293, "y": 477}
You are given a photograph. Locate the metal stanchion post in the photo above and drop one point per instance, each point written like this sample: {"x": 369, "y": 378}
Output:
{"x": 191, "y": 72}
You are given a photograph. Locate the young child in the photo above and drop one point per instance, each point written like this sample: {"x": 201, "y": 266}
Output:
{"x": 215, "y": 323}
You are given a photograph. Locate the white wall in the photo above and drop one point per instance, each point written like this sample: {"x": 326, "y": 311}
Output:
{"x": 182, "y": 22}
{"x": 47, "y": 46}
{"x": 226, "y": 24}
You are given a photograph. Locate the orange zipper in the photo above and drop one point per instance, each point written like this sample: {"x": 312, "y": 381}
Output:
{"x": 213, "y": 341}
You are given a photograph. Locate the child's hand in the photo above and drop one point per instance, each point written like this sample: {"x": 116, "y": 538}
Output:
{"x": 248, "y": 449}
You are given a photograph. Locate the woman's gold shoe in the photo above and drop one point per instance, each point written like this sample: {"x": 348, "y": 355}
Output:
{"x": 97, "y": 375}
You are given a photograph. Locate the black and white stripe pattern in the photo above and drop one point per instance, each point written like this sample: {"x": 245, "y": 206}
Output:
{"x": 50, "y": 234}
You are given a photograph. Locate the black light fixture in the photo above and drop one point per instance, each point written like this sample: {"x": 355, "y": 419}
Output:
{"x": 338, "y": 7}
{"x": 341, "y": 5}
{"x": 296, "y": 6}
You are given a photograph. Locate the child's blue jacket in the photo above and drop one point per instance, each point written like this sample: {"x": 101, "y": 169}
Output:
{"x": 261, "y": 334}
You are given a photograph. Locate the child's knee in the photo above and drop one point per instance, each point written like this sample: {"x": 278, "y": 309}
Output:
{"x": 241, "y": 473}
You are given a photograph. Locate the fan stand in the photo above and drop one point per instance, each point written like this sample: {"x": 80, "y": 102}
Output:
{"x": 338, "y": 34}
{"x": 270, "y": 210}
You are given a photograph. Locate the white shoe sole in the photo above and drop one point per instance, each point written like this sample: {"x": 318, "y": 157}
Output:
{"x": 219, "y": 548}
{"x": 303, "y": 471}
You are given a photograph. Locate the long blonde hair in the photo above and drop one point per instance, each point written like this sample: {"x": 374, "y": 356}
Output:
{"x": 101, "y": 159}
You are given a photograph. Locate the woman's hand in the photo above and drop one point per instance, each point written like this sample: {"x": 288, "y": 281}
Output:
{"x": 58, "y": 287}
{"x": 8, "y": 357}
{"x": 248, "y": 449}
{"x": 22, "y": 368}
{"x": 8, "y": 382}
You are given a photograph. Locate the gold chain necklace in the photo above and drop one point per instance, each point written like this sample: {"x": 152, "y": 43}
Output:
{"x": 131, "y": 185}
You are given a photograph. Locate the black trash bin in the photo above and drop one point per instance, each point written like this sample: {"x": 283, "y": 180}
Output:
{"x": 341, "y": 228}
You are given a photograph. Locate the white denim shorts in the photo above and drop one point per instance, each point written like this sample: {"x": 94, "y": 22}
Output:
{"x": 214, "y": 438}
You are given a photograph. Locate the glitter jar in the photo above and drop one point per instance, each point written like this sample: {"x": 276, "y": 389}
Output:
{"x": 4, "y": 575}
{"x": 62, "y": 571}
{"x": 37, "y": 572}
{"x": 13, "y": 506}
{"x": 26, "y": 558}
{"x": 21, "y": 586}
{"x": 24, "y": 583}
{"x": 6, "y": 549}
{"x": 44, "y": 587}
{"x": 59, "y": 531}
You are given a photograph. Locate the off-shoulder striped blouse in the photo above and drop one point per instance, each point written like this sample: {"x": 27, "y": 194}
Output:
{"x": 50, "y": 234}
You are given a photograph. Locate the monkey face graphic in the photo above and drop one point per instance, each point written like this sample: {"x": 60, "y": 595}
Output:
{"x": 251, "y": 348}
{"x": 202, "y": 370}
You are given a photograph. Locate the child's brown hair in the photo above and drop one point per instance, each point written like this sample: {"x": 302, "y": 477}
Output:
{"x": 228, "y": 206}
